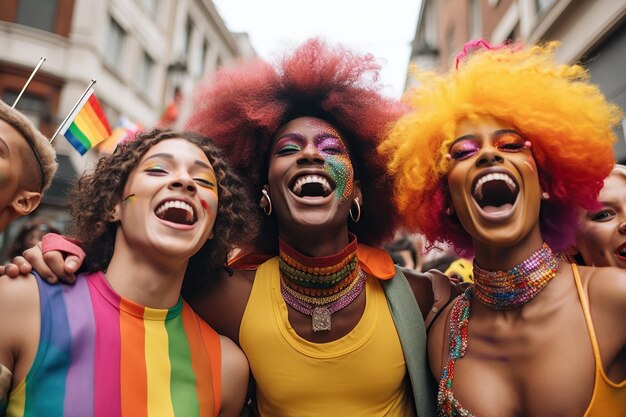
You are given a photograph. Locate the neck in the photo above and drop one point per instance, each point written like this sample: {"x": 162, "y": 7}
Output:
{"x": 503, "y": 290}
{"x": 145, "y": 280}
{"x": 317, "y": 244}
{"x": 502, "y": 258}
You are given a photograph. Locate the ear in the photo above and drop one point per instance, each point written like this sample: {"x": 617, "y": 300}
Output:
{"x": 263, "y": 203}
{"x": 116, "y": 214}
{"x": 25, "y": 201}
{"x": 357, "y": 192}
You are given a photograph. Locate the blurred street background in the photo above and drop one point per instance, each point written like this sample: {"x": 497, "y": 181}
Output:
{"x": 149, "y": 56}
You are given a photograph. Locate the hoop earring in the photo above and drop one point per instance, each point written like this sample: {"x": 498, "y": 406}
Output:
{"x": 358, "y": 211}
{"x": 269, "y": 201}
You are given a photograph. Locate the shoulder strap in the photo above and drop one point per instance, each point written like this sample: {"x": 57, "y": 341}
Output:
{"x": 409, "y": 323}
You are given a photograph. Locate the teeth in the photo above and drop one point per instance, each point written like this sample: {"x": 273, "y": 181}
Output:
{"x": 176, "y": 204}
{"x": 297, "y": 187}
{"x": 478, "y": 191}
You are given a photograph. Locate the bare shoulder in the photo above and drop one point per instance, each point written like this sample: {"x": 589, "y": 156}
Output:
{"x": 607, "y": 287}
{"x": 422, "y": 287}
{"x": 438, "y": 342}
{"x": 19, "y": 314}
{"x": 235, "y": 374}
{"x": 222, "y": 305}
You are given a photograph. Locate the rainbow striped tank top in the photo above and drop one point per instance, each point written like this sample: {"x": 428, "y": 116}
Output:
{"x": 101, "y": 355}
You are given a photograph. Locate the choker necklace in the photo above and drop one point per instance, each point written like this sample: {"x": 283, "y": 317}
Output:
{"x": 498, "y": 290}
{"x": 320, "y": 286}
{"x": 509, "y": 289}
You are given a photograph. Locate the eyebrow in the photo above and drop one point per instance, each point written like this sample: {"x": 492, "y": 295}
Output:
{"x": 4, "y": 145}
{"x": 170, "y": 156}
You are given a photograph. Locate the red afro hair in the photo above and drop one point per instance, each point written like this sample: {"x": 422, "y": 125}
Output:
{"x": 241, "y": 109}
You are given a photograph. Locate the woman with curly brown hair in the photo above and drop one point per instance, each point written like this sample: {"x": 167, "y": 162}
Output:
{"x": 329, "y": 325}
{"x": 161, "y": 210}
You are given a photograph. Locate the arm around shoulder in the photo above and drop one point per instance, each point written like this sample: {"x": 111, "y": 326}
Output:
{"x": 235, "y": 374}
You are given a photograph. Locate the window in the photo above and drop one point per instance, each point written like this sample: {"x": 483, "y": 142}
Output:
{"x": 476, "y": 25}
{"x": 187, "y": 40}
{"x": 151, "y": 6}
{"x": 114, "y": 43}
{"x": 145, "y": 72}
{"x": 36, "y": 108}
{"x": 543, "y": 5}
{"x": 205, "y": 51}
{"x": 40, "y": 14}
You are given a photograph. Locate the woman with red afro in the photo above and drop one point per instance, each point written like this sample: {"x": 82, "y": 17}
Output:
{"x": 329, "y": 326}
{"x": 315, "y": 321}
{"x": 497, "y": 159}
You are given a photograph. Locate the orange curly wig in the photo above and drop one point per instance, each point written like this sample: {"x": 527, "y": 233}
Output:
{"x": 566, "y": 118}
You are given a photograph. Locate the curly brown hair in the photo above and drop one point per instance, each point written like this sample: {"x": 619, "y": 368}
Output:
{"x": 95, "y": 195}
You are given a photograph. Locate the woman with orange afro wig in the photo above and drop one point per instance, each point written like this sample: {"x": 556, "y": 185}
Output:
{"x": 497, "y": 158}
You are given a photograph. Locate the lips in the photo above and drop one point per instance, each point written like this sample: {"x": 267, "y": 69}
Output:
{"x": 312, "y": 185}
{"x": 495, "y": 192}
{"x": 621, "y": 252}
{"x": 176, "y": 211}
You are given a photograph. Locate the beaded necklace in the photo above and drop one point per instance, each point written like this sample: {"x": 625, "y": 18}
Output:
{"x": 509, "y": 289}
{"x": 523, "y": 282}
{"x": 320, "y": 286}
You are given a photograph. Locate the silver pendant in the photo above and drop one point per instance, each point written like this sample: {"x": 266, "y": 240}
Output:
{"x": 320, "y": 319}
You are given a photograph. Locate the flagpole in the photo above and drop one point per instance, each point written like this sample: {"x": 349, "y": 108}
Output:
{"x": 73, "y": 108}
{"x": 41, "y": 61}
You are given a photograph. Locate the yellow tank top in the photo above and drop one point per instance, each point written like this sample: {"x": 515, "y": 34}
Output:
{"x": 608, "y": 398}
{"x": 362, "y": 374}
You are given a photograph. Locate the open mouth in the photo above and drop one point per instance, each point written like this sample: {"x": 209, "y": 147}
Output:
{"x": 312, "y": 186}
{"x": 621, "y": 251}
{"x": 176, "y": 211}
{"x": 495, "y": 192}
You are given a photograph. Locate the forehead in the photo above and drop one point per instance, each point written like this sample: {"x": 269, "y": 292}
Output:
{"x": 308, "y": 126}
{"x": 177, "y": 149}
{"x": 614, "y": 184}
{"x": 483, "y": 125}
{"x": 11, "y": 138}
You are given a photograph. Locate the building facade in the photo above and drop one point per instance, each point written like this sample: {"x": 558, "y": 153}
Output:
{"x": 139, "y": 51}
{"x": 590, "y": 32}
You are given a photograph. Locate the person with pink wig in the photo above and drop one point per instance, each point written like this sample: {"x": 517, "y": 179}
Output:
{"x": 497, "y": 159}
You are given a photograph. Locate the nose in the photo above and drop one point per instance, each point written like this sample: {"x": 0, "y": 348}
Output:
{"x": 622, "y": 227}
{"x": 488, "y": 157}
{"x": 184, "y": 182}
{"x": 310, "y": 154}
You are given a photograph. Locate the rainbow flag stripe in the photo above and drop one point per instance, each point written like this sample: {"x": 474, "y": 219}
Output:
{"x": 101, "y": 355}
{"x": 87, "y": 125}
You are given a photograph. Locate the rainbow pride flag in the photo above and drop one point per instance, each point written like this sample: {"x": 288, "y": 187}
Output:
{"x": 87, "y": 125}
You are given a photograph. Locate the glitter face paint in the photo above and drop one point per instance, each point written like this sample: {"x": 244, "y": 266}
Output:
{"x": 505, "y": 140}
{"x": 129, "y": 199}
{"x": 205, "y": 205}
{"x": 337, "y": 162}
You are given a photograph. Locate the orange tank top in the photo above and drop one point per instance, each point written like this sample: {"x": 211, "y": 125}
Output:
{"x": 360, "y": 374}
{"x": 608, "y": 398}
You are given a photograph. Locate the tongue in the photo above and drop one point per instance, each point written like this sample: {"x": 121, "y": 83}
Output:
{"x": 177, "y": 215}
{"x": 497, "y": 209}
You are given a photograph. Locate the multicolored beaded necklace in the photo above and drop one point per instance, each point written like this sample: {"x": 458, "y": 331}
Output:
{"x": 320, "y": 286}
{"x": 509, "y": 289}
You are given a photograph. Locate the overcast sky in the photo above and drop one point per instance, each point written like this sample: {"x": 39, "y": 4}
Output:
{"x": 384, "y": 28}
